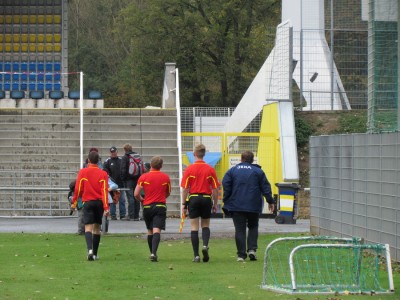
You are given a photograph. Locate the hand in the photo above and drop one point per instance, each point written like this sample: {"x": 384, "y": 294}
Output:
{"x": 106, "y": 213}
{"x": 214, "y": 209}
{"x": 73, "y": 205}
{"x": 271, "y": 207}
{"x": 184, "y": 210}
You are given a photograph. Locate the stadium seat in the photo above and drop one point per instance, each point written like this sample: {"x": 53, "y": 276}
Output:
{"x": 24, "y": 86}
{"x": 40, "y": 86}
{"x": 57, "y": 67}
{"x": 40, "y": 77}
{"x": 56, "y": 95}
{"x": 16, "y": 38}
{"x": 32, "y": 86}
{"x": 8, "y": 19}
{"x": 49, "y": 77}
{"x": 17, "y": 94}
{"x": 24, "y": 47}
{"x": 57, "y": 86}
{"x": 7, "y": 86}
{"x": 74, "y": 95}
{"x": 15, "y": 66}
{"x": 8, "y": 38}
{"x": 24, "y": 38}
{"x": 7, "y": 77}
{"x": 24, "y": 77}
{"x": 7, "y": 66}
{"x": 49, "y": 86}
{"x": 94, "y": 95}
{"x": 40, "y": 19}
{"x": 16, "y": 47}
{"x": 57, "y": 19}
{"x": 57, "y": 47}
{"x": 57, "y": 77}
{"x": 49, "y": 38}
{"x": 32, "y": 67}
{"x": 15, "y": 77}
{"x": 15, "y": 86}
{"x": 40, "y": 67}
{"x": 24, "y": 19}
{"x": 32, "y": 77}
{"x": 49, "y": 48}
{"x": 2, "y": 94}
{"x": 1, "y": 19}
{"x": 57, "y": 38}
{"x": 24, "y": 66}
{"x": 36, "y": 94}
{"x": 40, "y": 38}
{"x": 7, "y": 47}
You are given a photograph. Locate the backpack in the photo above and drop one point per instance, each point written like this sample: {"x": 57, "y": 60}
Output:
{"x": 136, "y": 165}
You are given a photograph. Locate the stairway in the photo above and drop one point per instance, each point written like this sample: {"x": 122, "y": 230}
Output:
{"x": 40, "y": 152}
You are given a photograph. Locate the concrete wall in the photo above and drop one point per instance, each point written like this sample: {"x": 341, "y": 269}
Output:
{"x": 355, "y": 184}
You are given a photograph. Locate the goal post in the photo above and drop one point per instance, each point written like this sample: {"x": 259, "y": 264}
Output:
{"x": 327, "y": 265}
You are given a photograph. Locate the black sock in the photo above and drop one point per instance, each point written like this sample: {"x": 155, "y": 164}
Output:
{"x": 89, "y": 240}
{"x": 156, "y": 242}
{"x": 194, "y": 236}
{"x": 205, "y": 234}
{"x": 96, "y": 243}
{"x": 150, "y": 242}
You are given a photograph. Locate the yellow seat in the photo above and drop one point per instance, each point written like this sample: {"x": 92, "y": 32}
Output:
{"x": 1, "y": 47}
{"x": 16, "y": 38}
{"x": 57, "y": 38}
{"x": 24, "y": 47}
{"x": 40, "y": 38}
{"x": 24, "y": 38}
{"x": 57, "y": 47}
{"x": 32, "y": 47}
{"x": 16, "y": 19}
{"x": 8, "y": 38}
{"x": 7, "y": 47}
{"x": 1, "y": 38}
{"x": 24, "y": 19}
{"x": 16, "y": 47}
{"x": 57, "y": 19}
{"x": 40, "y": 19}
{"x": 40, "y": 47}
{"x": 1, "y": 19}
{"x": 49, "y": 38}
{"x": 32, "y": 19}
{"x": 8, "y": 19}
{"x": 32, "y": 38}
{"x": 49, "y": 19}
{"x": 49, "y": 48}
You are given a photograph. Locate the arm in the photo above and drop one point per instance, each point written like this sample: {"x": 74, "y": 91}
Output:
{"x": 227, "y": 186}
{"x": 267, "y": 192}
{"x": 137, "y": 193}
{"x": 214, "y": 196}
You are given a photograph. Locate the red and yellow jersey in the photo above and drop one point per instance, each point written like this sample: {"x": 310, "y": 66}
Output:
{"x": 156, "y": 186}
{"x": 92, "y": 184}
{"x": 200, "y": 178}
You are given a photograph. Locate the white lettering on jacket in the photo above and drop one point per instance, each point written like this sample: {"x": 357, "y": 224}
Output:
{"x": 243, "y": 167}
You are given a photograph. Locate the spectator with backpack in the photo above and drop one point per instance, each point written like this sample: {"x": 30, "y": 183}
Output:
{"x": 112, "y": 166}
{"x": 132, "y": 167}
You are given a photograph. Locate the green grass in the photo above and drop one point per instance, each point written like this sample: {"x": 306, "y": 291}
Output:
{"x": 54, "y": 266}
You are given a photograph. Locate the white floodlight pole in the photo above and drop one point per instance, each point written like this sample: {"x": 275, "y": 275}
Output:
{"x": 81, "y": 117}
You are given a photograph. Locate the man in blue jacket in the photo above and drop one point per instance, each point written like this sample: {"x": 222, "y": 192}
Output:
{"x": 244, "y": 187}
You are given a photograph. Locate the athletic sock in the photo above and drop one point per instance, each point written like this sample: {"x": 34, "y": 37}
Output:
{"x": 194, "y": 236}
{"x": 205, "y": 235}
{"x": 96, "y": 243}
{"x": 89, "y": 240}
{"x": 156, "y": 242}
{"x": 150, "y": 242}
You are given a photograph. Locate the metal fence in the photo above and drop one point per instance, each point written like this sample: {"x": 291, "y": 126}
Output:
{"x": 354, "y": 182}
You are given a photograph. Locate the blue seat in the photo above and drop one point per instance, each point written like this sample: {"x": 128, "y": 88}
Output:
{"x": 57, "y": 77}
{"x": 40, "y": 67}
{"x": 36, "y": 94}
{"x": 7, "y": 66}
{"x": 15, "y": 77}
{"x": 32, "y": 77}
{"x": 15, "y": 86}
{"x": 7, "y": 77}
{"x": 49, "y": 67}
{"x": 57, "y": 86}
{"x": 32, "y": 86}
{"x": 24, "y": 77}
{"x": 17, "y": 94}
{"x": 1, "y": 66}
{"x": 57, "y": 67}
{"x": 24, "y": 66}
{"x": 94, "y": 95}
{"x": 74, "y": 95}
{"x": 1, "y": 77}
{"x": 49, "y": 77}
{"x": 2, "y": 94}
{"x": 56, "y": 95}
{"x": 7, "y": 86}
{"x": 32, "y": 67}
{"x": 49, "y": 86}
{"x": 40, "y": 86}
{"x": 40, "y": 77}
{"x": 24, "y": 86}
{"x": 15, "y": 66}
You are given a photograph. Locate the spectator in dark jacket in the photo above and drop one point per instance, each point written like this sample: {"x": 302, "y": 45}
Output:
{"x": 130, "y": 183}
{"x": 112, "y": 166}
{"x": 244, "y": 187}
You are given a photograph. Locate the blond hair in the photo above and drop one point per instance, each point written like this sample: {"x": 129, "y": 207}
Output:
{"x": 127, "y": 147}
{"x": 200, "y": 150}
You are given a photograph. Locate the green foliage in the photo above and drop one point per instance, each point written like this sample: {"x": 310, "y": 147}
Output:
{"x": 122, "y": 47}
{"x": 303, "y": 131}
{"x": 352, "y": 122}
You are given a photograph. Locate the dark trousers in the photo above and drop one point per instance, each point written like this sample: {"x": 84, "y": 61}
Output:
{"x": 133, "y": 204}
{"x": 241, "y": 220}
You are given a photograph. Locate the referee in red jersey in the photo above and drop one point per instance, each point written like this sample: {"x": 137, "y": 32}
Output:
{"x": 92, "y": 186}
{"x": 157, "y": 187}
{"x": 200, "y": 195}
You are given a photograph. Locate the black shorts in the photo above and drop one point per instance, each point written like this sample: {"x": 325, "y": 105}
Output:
{"x": 93, "y": 212}
{"x": 155, "y": 215}
{"x": 200, "y": 205}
